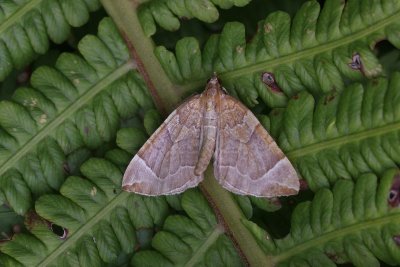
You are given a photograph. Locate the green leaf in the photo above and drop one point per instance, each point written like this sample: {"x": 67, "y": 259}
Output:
{"x": 99, "y": 220}
{"x": 342, "y": 135}
{"x": 77, "y": 105}
{"x": 334, "y": 131}
{"x": 27, "y": 26}
{"x": 195, "y": 239}
{"x": 266, "y": 204}
{"x": 130, "y": 139}
{"x": 353, "y": 223}
{"x": 245, "y": 205}
{"x": 313, "y": 52}
{"x": 163, "y": 16}
{"x": 10, "y": 222}
{"x": 149, "y": 259}
{"x": 167, "y": 13}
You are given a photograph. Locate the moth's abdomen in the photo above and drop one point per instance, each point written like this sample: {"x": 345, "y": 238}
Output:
{"x": 207, "y": 146}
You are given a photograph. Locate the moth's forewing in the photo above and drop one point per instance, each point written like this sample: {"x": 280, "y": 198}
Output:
{"x": 165, "y": 164}
{"x": 247, "y": 160}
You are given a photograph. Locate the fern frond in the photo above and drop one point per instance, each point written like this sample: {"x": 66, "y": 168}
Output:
{"x": 100, "y": 221}
{"x": 78, "y": 104}
{"x": 27, "y": 26}
{"x": 195, "y": 239}
{"x": 167, "y": 13}
{"x": 103, "y": 222}
{"x": 342, "y": 135}
{"x": 317, "y": 51}
{"x": 355, "y": 222}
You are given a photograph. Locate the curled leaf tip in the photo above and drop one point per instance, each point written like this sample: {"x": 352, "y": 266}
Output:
{"x": 60, "y": 231}
{"x": 356, "y": 63}
{"x": 394, "y": 193}
{"x": 268, "y": 79}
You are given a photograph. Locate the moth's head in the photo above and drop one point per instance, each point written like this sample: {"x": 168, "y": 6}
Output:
{"x": 214, "y": 79}
{"x": 213, "y": 85}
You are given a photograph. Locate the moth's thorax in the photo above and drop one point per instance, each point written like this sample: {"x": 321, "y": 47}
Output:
{"x": 213, "y": 87}
{"x": 210, "y": 109}
{"x": 212, "y": 95}
{"x": 210, "y": 100}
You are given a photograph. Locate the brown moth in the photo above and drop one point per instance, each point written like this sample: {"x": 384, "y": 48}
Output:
{"x": 247, "y": 161}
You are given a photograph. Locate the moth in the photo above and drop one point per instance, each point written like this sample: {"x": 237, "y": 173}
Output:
{"x": 246, "y": 159}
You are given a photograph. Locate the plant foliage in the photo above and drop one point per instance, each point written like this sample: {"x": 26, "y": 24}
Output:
{"x": 341, "y": 136}
{"x": 27, "y": 26}
{"x": 66, "y": 139}
{"x": 167, "y": 13}
{"x": 312, "y": 52}
{"x": 355, "y": 222}
{"x": 102, "y": 224}
{"x": 195, "y": 239}
{"x": 50, "y": 126}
